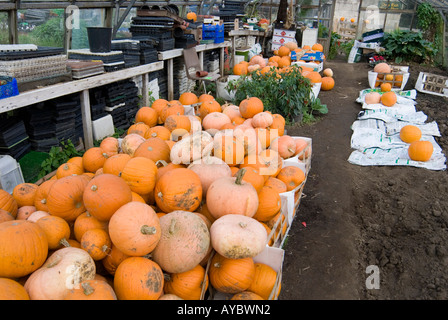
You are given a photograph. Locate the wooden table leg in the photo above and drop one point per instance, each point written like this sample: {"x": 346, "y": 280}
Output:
{"x": 145, "y": 92}
{"x": 170, "y": 80}
{"x": 86, "y": 119}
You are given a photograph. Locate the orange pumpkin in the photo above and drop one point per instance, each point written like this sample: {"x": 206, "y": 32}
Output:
{"x": 24, "y": 212}
{"x": 138, "y": 278}
{"x": 389, "y": 99}
{"x": 253, "y": 177}
{"x": 110, "y": 146}
{"x": 96, "y": 242}
{"x": 187, "y": 285}
{"x": 275, "y": 183}
{"x": 410, "y": 133}
{"x": 16, "y": 239}
{"x": 147, "y": 115}
{"x": 68, "y": 169}
{"x": 292, "y": 176}
{"x": 174, "y": 107}
{"x": 178, "y": 189}
{"x": 76, "y": 160}
{"x": 246, "y": 295}
{"x": 113, "y": 259}
{"x": 188, "y": 98}
{"x": 140, "y": 174}
{"x": 93, "y": 159}
{"x": 209, "y": 106}
{"x": 105, "y": 194}
{"x": 231, "y": 275}
{"x": 420, "y": 150}
{"x": 135, "y": 229}
{"x": 327, "y": 83}
{"x": 92, "y": 290}
{"x": 115, "y": 164}
{"x": 159, "y": 132}
{"x": 8, "y": 203}
{"x": 177, "y": 121}
{"x": 283, "y": 51}
{"x": 6, "y": 216}
{"x": 84, "y": 222}
{"x": 154, "y": 149}
{"x": 65, "y": 198}
{"x": 139, "y": 128}
{"x": 240, "y": 69}
{"x": 285, "y": 146}
{"x": 317, "y": 47}
{"x": 250, "y": 107}
{"x": 386, "y": 87}
{"x": 56, "y": 230}
{"x": 229, "y": 148}
{"x": 264, "y": 280}
{"x": 12, "y": 290}
{"x": 269, "y": 204}
{"x": 158, "y": 105}
{"x": 24, "y": 194}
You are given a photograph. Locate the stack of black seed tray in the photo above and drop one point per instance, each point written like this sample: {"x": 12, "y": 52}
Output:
{"x": 130, "y": 49}
{"x": 163, "y": 83}
{"x": 158, "y": 28}
{"x": 53, "y": 121}
{"x": 112, "y": 61}
{"x": 119, "y": 99}
{"x": 14, "y": 140}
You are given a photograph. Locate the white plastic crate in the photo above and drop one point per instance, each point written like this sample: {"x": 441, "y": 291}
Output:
{"x": 396, "y": 71}
{"x": 432, "y": 84}
{"x": 10, "y": 173}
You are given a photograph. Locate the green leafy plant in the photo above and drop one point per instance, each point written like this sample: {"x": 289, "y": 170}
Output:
{"x": 288, "y": 93}
{"x": 57, "y": 156}
{"x": 402, "y": 45}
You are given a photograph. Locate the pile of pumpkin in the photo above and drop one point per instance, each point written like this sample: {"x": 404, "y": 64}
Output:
{"x": 124, "y": 221}
{"x": 386, "y": 76}
{"x": 281, "y": 61}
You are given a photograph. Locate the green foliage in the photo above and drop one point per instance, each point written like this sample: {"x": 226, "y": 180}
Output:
{"x": 428, "y": 17}
{"x": 402, "y": 45}
{"x": 50, "y": 33}
{"x": 334, "y": 45}
{"x": 290, "y": 95}
{"x": 58, "y": 156}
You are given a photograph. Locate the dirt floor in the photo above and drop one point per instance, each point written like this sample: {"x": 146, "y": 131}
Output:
{"x": 395, "y": 218}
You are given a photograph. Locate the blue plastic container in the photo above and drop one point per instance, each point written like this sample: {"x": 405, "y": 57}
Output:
{"x": 213, "y": 32}
{"x": 9, "y": 89}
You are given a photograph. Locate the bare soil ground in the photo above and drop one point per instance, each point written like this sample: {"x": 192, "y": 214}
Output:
{"x": 395, "y": 218}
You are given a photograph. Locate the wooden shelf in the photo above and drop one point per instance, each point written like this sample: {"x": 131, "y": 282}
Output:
{"x": 82, "y": 86}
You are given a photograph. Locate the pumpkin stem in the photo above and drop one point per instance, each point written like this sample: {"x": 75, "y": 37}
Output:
{"x": 239, "y": 176}
{"x": 243, "y": 225}
{"x": 66, "y": 167}
{"x": 167, "y": 277}
{"x": 94, "y": 188}
{"x": 64, "y": 242}
{"x": 43, "y": 201}
{"x": 148, "y": 230}
{"x": 104, "y": 248}
{"x": 87, "y": 288}
{"x": 161, "y": 163}
{"x": 172, "y": 225}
